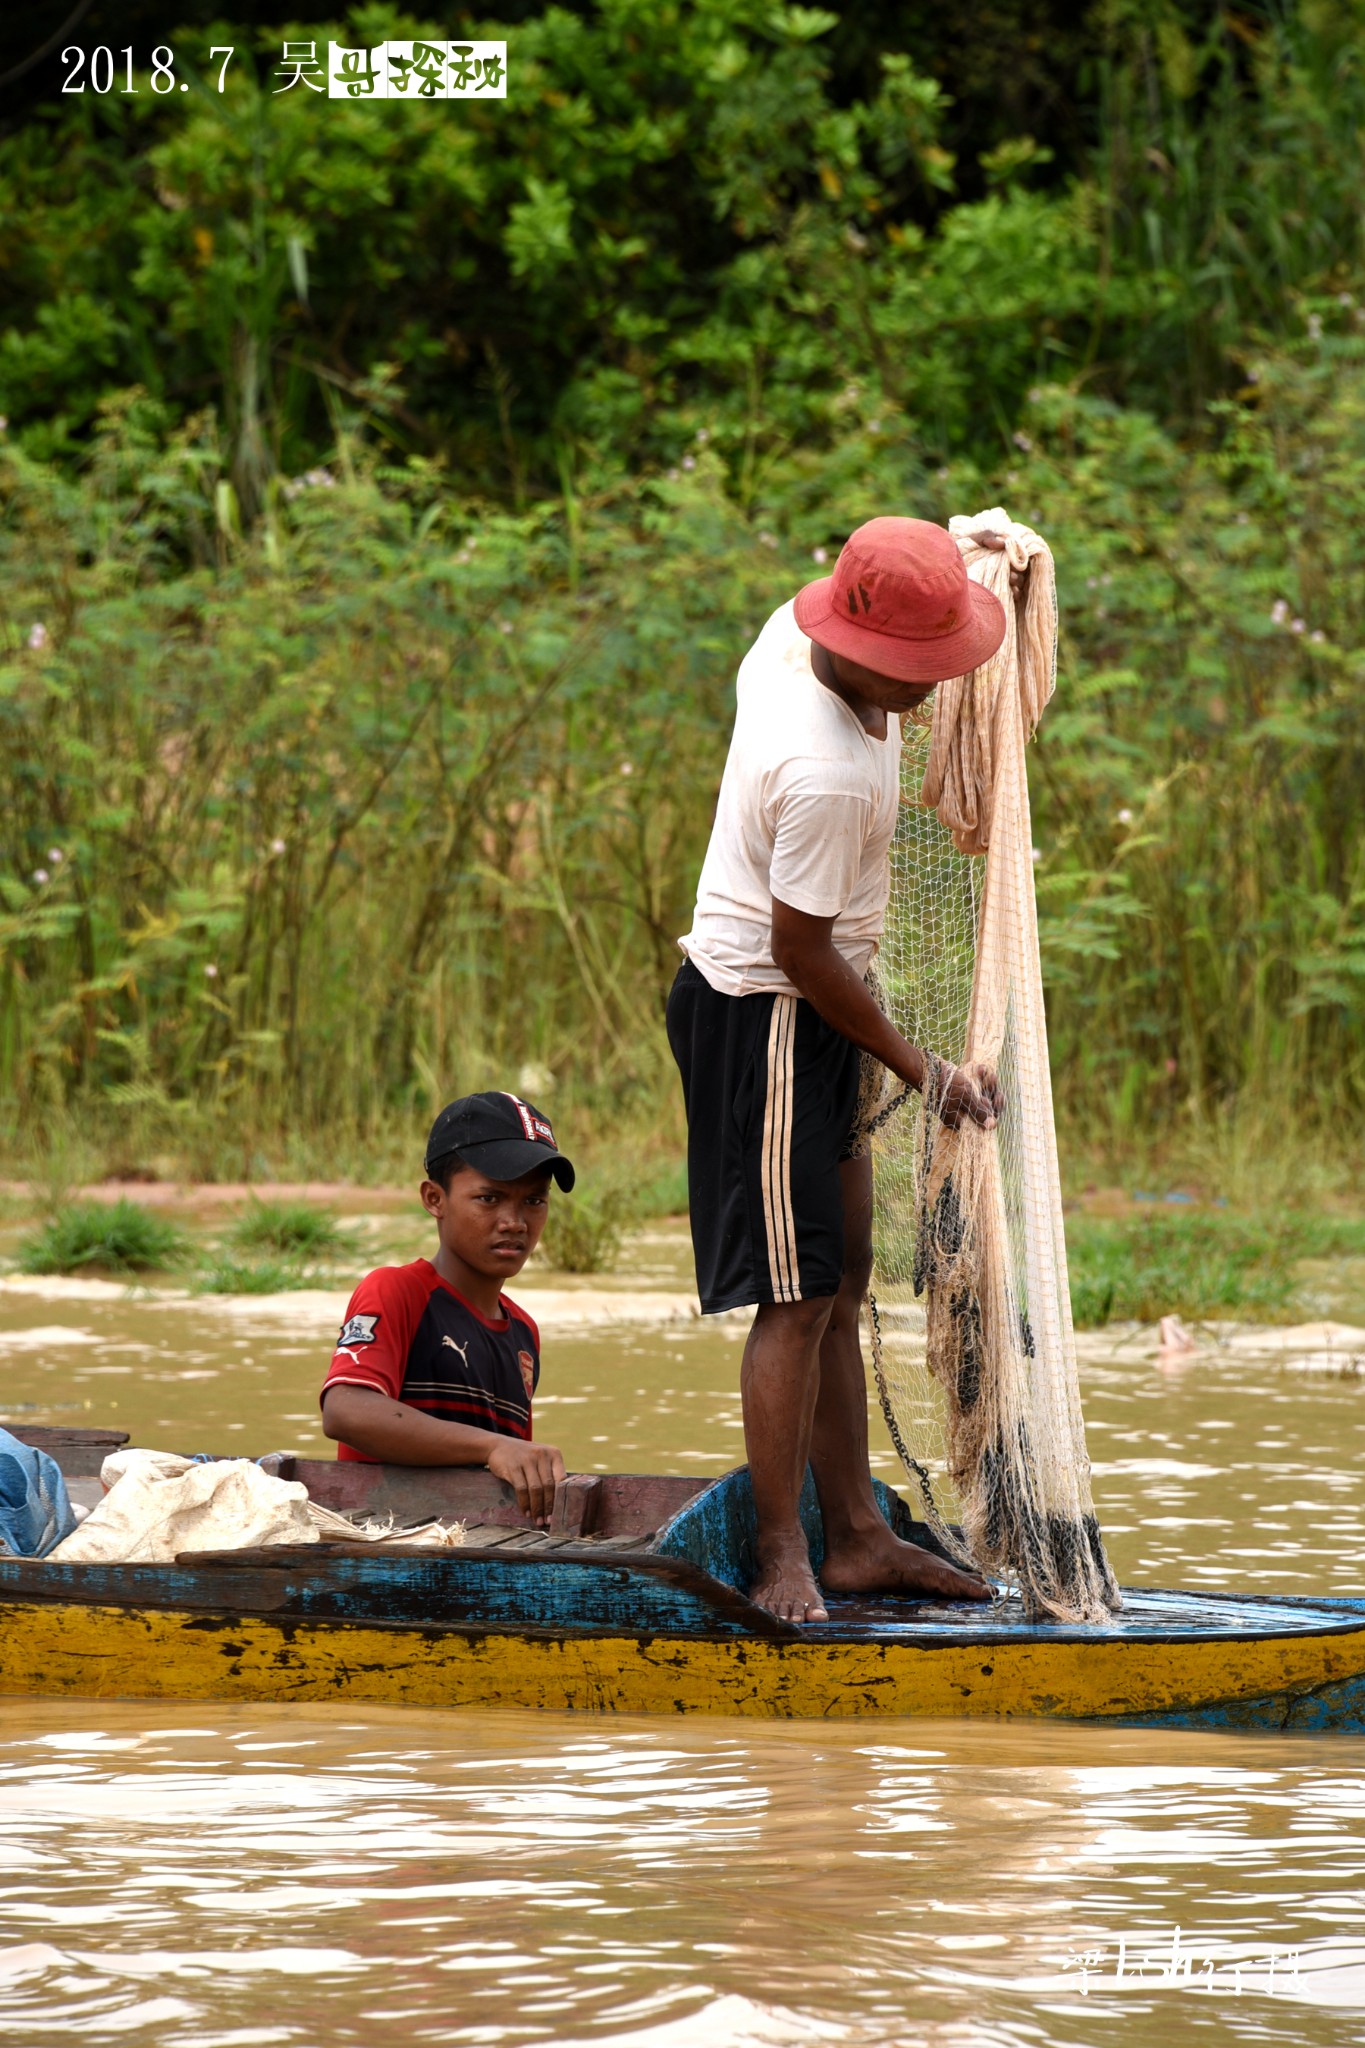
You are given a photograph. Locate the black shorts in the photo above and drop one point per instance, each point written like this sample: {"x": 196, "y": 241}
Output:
{"x": 771, "y": 1091}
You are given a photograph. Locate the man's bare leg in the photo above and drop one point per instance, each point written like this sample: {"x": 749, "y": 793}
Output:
{"x": 779, "y": 1383}
{"x": 861, "y": 1553}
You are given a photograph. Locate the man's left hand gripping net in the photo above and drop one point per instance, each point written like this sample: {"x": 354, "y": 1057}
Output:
{"x": 970, "y": 1221}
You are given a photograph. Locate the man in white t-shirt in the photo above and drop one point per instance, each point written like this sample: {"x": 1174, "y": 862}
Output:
{"x": 767, "y": 1019}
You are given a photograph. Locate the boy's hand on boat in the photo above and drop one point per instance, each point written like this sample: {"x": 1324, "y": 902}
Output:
{"x": 534, "y": 1471}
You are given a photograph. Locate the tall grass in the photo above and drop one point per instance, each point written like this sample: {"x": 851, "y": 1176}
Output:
{"x": 405, "y": 796}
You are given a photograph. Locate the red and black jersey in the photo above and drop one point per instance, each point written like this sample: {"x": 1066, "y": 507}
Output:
{"x": 410, "y": 1334}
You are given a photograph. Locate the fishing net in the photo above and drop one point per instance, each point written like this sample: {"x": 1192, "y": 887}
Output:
{"x": 973, "y": 1350}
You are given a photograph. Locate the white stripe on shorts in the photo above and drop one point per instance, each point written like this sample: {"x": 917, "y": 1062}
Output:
{"x": 777, "y": 1153}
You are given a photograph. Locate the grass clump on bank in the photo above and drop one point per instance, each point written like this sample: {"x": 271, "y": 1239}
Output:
{"x": 116, "y": 1237}
{"x": 1201, "y": 1266}
{"x": 297, "y": 1230}
{"x": 583, "y": 1231}
{"x": 221, "y": 1273}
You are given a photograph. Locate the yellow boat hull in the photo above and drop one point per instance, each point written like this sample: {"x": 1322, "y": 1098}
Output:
{"x": 106, "y": 1652}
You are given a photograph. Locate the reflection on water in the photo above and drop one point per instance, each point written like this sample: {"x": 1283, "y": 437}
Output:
{"x": 213, "y": 1875}
{"x": 298, "y": 1876}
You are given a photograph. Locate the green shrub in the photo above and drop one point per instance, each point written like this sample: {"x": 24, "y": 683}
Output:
{"x": 298, "y": 1229}
{"x": 583, "y": 1233}
{"x": 119, "y": 1237}
{"x": 225, "y": 1275}
{"x": 665, "y": 1193}
{"x": 1196, "y": 1264}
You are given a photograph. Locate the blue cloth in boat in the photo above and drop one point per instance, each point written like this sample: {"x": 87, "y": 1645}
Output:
{"x": 35, "y": 1513}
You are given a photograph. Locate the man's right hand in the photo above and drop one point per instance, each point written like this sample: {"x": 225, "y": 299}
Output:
{"x": 970, "y": 1095}
{"x": 534, "y": 1470}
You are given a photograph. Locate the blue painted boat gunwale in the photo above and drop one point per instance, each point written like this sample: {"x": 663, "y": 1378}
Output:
{"x": 494, "y": 1591}
{"x": 685, "y": 1584}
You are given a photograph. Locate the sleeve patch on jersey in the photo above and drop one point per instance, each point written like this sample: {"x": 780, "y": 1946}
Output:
{"x": 528, "y": 1371}
{"x": 357, "y": 1330}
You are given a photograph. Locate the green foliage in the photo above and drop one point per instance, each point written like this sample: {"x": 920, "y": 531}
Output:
{"x": 115, "y": 1237}
{"x": 221, "y": 1273}
{"x": 664, "y": 1193}
{"x": 387, "y": 502}
{"x": 583, "y": 1230}
{"x": 1196, "y": 1264}
{"x": 298, "y": 1230}
{"x": 683, "y": 217}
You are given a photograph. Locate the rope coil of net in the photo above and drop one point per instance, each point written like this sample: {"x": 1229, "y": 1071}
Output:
{"x": 980, "y": 1390}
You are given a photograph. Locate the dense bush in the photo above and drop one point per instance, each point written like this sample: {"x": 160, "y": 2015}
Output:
{"x": 366, "y": 657}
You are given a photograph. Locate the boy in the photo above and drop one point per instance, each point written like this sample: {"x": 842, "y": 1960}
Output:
{"x": 434, "y": 1366}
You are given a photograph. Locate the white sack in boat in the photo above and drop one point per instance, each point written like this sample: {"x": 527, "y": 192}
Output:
{"x": 159, "y": 1505}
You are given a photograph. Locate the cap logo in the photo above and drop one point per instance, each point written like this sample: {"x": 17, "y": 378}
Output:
{"x": 535, "y": 1127}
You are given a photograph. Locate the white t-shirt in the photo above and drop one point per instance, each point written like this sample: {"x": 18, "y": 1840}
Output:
{"x": 806, "y": 813}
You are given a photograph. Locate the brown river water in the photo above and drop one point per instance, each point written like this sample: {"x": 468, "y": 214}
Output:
{"x": 203, "y": 1876}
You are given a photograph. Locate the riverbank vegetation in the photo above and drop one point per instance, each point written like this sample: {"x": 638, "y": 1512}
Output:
{"x": 387, "y": 503}
{"x": 1129, "y": 1265}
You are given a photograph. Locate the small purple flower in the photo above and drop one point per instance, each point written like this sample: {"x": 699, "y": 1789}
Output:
{"x": 689, "y": 462}
{"x": 40, "y": 876}
{"x": 819, "y": 554}
{"x": 1298, "y": 626}
{"x": 211, "y": 971}
{"x": 1317, "y": 636}
{"x": 56, "y": 856}
{"x": 37, "y": 637}
{"x": 1279, "y": 611}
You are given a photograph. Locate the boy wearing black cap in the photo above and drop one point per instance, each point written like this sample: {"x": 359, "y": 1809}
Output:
{"x": 434, "y": 1366}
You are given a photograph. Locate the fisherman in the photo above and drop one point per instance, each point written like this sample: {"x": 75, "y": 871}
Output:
{"x": 434, "y": 1365}
{"x": 768, "y": 1017}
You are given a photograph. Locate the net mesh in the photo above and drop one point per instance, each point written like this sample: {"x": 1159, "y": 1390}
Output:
{"x": 972, "y": 1342}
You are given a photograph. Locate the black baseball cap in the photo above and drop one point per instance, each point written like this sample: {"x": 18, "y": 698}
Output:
{"x": 500, "y": 1135}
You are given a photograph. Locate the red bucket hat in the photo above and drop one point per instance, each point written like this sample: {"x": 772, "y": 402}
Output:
{"x": 900, "y": 601}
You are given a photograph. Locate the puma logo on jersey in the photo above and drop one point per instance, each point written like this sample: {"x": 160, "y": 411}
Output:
{"x": 463, "y": 1349}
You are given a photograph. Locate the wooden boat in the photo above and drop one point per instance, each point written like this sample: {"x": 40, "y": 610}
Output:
{"x": 632, "y": 1602}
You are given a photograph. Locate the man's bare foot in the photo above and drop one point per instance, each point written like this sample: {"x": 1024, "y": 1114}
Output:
{"x": 879, "y": 1562}
{"x": 785, "y": 1585}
